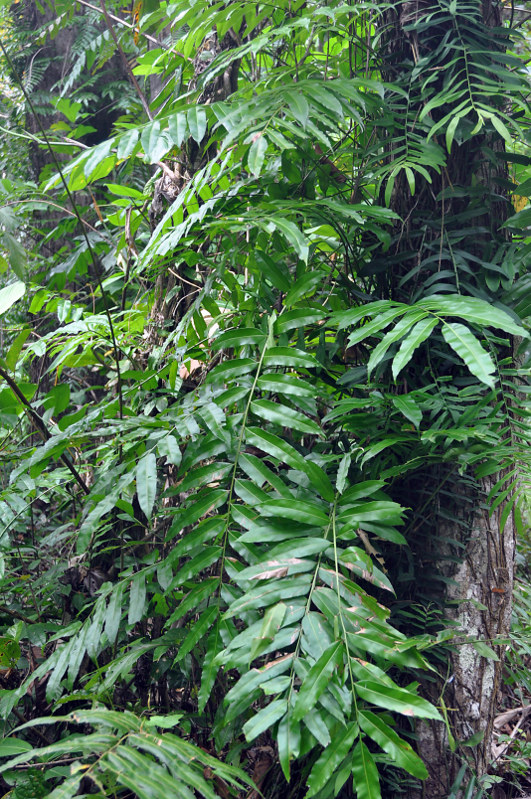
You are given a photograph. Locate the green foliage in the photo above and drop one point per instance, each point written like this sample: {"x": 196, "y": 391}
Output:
{"x": 235, "y": 360}
{"x": 132, "y": 753}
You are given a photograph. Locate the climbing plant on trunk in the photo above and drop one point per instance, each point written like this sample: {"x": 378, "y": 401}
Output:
{"x": 453, "y": 66}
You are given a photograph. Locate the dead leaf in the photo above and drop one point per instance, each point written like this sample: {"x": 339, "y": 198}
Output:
{"x": 263, "y": 758}
{"x": 280, "y": 571}
{"x": 370, "y": 550}
{"x": 274, "y": 662}
{"x": 185, "y": 371}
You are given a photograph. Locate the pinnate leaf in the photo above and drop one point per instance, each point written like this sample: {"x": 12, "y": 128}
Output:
{"x": 197, "y": 123}
{"x": 366, "y": 780}
{"x": 178, "y": 128}
{"x": 288, "y": 742}
{"x": 277, "y": 447}
{"x": 414, "y": 339}
{"x": 466, "y": 345}
{"x": 265, "y": 719}
{"x": 256, "y": 155}
{"x": 237, "y": 337}
{"x": 197, "y": 631}
{"x": 325, "y": 767}
{"x": 375, "y": 325}
{"x": 271, "y": 624}
{"x": 10, "y": 294}
{"x": 299, "y": 511}
{"x": 169, "y": 448}
{"x": 286, "y": 384}
{"x": 402, "y": 327}
{"x": 146, "y": 482}
{"x": 476, "y": 311}
{"x": 398, "y": 699}
{"x": 156, "y": 142}
{"x": 409, "y": 408}
{"x": 137, "y": 598}
{"x": 285, "y": 416}
{"x": 401, "y": 752}
{"x": 13, "y": 746}
{"x": 316, "y": 681}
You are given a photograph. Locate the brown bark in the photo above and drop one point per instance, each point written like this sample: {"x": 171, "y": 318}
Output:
{"x": 457, "y": 539}
{"x": 479, "y": 595}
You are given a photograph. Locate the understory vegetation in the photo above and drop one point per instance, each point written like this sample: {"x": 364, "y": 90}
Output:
{"x": 263, "y": 397}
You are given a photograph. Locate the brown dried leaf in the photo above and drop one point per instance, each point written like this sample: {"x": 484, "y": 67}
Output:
{"x": 279, "y": 571}
{"x": 369, "y": 549}
{"x": 263, "y": 758}
{"x": 274, "y": 662}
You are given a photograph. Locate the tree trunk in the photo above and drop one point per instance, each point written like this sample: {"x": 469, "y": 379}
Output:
{"x": 456, "y": 537}
{"x": 479, "y": 597}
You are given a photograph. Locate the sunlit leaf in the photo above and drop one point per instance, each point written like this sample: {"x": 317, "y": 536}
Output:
{"x": 285, "y": 416}
{"x": 146, "y": 482}
{"x": 10, "y": 294}
{"x": 197, "y": 123}
{"x": 177, "y": 128}
{"x": 256, "y": 154}
{"x": 137, "y": 598}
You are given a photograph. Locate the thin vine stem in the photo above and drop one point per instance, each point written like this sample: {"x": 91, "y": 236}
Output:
{"x": 93, "y": 256}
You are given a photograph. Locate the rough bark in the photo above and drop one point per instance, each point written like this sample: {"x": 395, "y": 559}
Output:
{"x": 479, "y": 598}
{"x": 458, "y": 540}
